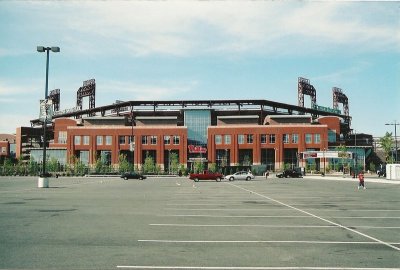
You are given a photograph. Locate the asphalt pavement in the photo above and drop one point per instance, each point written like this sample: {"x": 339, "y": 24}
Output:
{"x": 174, "y": 223}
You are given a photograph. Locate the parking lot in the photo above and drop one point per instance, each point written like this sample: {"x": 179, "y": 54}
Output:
{"x": 174, "y": 223}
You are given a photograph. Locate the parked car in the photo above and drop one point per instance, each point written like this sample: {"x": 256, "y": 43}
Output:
{"x": 242, "y": 175}
{"x": 206, "y": 175}
{"x": 289, "y": 173}
{"x": 132, "y": 175}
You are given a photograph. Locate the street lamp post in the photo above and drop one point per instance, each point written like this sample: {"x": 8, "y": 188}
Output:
{"x": 395, "y": 124}
{"x": 43, "y": 181}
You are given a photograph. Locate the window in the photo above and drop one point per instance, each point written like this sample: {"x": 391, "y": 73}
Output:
{"x": 227, "y": 139}
{"x": 317, "y": 138}
{"x": 77, "y": 140}
{"x": 295, "y": 138}
{"x": 86, "y": 140}
{"x": 271, "y": 138}
{"x": 331, "y": 136}
{"x": 144, "y": 140}
{"x": 308, "y": 138}
{"x": 241, "y": 139}
{"x": 263, "y": 138}
{"x": 62, "y": 137}
{"x": 108, "y": 140}
{"x": 285, "y": 138}
{"x": 99, "y": 140}
{"x": 131, "y": 139}
{"x": 3, "y": 149}
{"x": 218, "y": 139}
{"x": 153, "y": 140}
{"x": 250, "y": 138}
{"x": 121, "y": 140}
{"x": 167, "y": 139}
{"x": 177, "y": 139}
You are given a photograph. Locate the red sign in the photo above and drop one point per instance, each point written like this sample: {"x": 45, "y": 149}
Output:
{"x": 197, "y": 149}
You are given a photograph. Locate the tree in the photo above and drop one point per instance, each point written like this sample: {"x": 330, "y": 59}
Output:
{"x": 148, "y": 165}
{"x": 198, "y": 166}
{"x": 174, "y": 162}
{"x": 33, "y": 167}
{"x": 342, "y": 154}
{"x": 387, "y": 143}
{"x": 212, "y": 167}
{"x": 246, "y": 160}
{"x": 124, "y": 165}
{"x": 99, "y": 165}
{"x": 52, "y": 165}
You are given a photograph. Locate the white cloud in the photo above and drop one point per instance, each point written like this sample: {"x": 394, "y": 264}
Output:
{"x": 136, "y": 91}
{"x": 11, "y": 90}
{"x": 9, "y": 122}
{"x": 181, "y": 28}
{"x": 344, "y": 74}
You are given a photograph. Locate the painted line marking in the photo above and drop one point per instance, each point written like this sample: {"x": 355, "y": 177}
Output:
{"x": 265, "y": 241}
{"x": 267, "y": 226}
{"x": 274, "y": 209}
{"x": 271, "y": 216}
{"x": 249, "y": 267}
{"x": 214, "y": 216}
{"x": 244, "y": 225}
{"x": 318, "y": 217}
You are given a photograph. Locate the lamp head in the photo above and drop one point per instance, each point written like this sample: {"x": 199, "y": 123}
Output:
{"x": 55, "y": 49}
{"x": 40, "y": 48}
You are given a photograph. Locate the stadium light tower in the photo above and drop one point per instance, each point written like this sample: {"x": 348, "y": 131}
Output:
{"x": 43, "y": 181}
{"x": 395, "y": 124}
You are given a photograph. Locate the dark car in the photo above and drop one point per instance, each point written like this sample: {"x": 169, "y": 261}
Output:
{"x": 132, "y": 175}
{"x": 289, "y": 173}
{"x": 381, "y": 172}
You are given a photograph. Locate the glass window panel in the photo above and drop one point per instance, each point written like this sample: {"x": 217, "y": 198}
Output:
{"x": 77, "y": 140}
{"x": 227, "y": 139}
{"x": 218, "y": 139}
{"x": 99, "y": 140}
{"x": 108, "y": 140}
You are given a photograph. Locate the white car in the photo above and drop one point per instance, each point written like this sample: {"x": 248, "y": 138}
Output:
{"x": 242, "y": 175}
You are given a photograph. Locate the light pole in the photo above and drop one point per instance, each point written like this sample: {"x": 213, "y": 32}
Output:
{"x": 43, "y": 182}
{"x": 395, "y": 124}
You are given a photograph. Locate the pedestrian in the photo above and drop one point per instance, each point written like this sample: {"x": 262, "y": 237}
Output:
{"x": 361, "y": 180}
{"x": 266, "y": 174}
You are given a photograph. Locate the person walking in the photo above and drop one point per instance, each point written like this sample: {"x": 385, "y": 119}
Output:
{"x": 361, "y": 180}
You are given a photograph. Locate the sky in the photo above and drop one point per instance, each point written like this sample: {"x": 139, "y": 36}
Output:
{"x": 189, "y": 50}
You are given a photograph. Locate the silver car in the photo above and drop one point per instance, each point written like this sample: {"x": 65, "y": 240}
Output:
{"x": 242, "y": 175}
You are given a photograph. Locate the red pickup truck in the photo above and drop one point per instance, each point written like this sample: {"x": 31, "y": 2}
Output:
{"x": 206, "y": 175}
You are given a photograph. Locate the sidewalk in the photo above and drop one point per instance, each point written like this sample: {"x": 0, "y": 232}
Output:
{"x": 368, "y": 178}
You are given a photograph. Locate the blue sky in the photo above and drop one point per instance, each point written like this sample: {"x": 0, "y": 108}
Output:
{"x": 174, "y": 50}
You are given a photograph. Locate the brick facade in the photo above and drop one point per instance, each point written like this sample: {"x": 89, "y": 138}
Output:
{"x": 279, "y": 140}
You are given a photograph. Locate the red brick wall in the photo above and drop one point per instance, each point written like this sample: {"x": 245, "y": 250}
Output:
{"x": 256, "y": 146}
{"x": 138, "y": 132}
{"x": 4, "y": 145}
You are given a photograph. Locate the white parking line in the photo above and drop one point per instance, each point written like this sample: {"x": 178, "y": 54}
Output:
{"x": 264, "y": 209}
{"x": 276, "y": 208}
{"x": 265, "y": 241}
{"x": 248, "y": 268}
{"x": 244, "y": 225}
{"x": 318, "y": 217}
{"x": 267, "y": 226}
{"x": 247, "y": 216}
{"x": 275, "y": 216}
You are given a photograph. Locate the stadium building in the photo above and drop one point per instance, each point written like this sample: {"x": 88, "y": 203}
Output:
{"x": 221, "y": 132}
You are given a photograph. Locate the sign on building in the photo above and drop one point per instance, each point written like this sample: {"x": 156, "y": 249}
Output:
{"x": 327, "y": 154}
